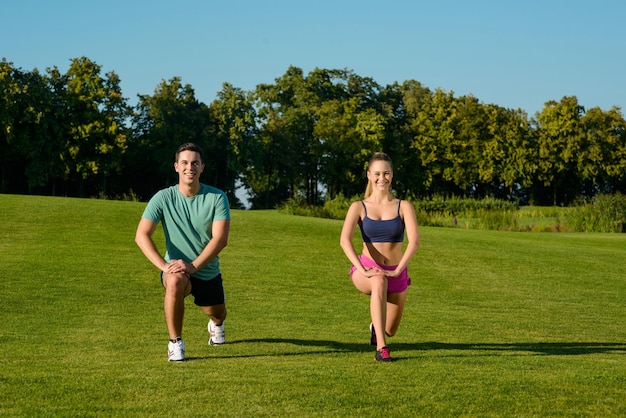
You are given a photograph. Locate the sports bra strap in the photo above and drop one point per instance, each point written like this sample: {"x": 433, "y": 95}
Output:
{"x": 365, "y": 207}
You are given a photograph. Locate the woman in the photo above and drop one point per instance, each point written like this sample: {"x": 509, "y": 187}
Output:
{"x": 381, "y": 269}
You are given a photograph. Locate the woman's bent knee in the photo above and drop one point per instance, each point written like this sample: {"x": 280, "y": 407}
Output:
{"x": 379, "y": 282}
{"x": 391, "y": 332}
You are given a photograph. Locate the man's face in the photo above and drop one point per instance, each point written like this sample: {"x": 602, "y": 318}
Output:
{"x": 189, "y": 167}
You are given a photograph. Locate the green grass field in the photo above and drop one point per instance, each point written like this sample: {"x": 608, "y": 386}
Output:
{"x": 496, "y": 324}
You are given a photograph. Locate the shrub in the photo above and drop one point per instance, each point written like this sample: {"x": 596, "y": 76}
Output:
{"x": 301, "y": 208}
{"x": 337, "y": 208}
{"x": 505, "y": 220}
{"x": 605, "y": 213}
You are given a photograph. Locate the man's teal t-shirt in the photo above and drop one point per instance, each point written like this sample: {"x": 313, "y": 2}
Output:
{"x": 187, "y": 223}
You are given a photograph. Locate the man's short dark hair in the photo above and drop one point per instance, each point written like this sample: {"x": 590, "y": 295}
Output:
{"x": 190, "y": 146}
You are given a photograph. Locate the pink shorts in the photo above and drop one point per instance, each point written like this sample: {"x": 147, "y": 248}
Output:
{"x": 394, "y": 284}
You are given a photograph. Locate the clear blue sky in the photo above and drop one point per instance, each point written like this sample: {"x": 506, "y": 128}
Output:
{"x": 517, "y": 54}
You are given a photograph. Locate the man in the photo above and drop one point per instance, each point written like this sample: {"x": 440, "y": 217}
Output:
{"x": 196, "y": 223}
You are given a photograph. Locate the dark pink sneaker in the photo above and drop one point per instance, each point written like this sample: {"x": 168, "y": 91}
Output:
{"x": 382, "y": 355}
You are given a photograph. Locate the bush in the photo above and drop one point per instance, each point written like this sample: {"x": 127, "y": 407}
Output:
{"x": 335, "y": 208}
{"x": 461, "y": 206}
{"x": 485, "y": 214}
{"x": 301, "y": 208}
{"x": 468, "y": 213}
{"x": 499, "y": 219}
{"x": 605, "y": 213}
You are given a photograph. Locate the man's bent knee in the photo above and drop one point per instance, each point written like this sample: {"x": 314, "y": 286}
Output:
{"x": 177, "y": 282}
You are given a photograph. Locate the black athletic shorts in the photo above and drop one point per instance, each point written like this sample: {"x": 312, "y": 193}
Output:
{"x": 206, "y": 292}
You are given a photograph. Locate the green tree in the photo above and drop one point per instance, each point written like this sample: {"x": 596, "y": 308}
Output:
{"x": 232, "y": 134}
{"x": 467, "y": 150}
{"x": 349, "y": 137}
{"x": 349, "y": 128}
{"x": 162, "y": 122}
{"x": 560, "y": 132}
{"x": 285, "y": 139}
{"x": 322, "y": 87}
{"x": 39, "y": 132}
{"x": 507, "y": 162}
{"x": 314, "y": 133}
{"x": 97, "y": 133}
{"x": 10, "y": 91}
{"x": 436, "y": 145}
{"x": 32, "y": 133}
{"x": 400, "y": 106}
{"x": 602, "y": 159}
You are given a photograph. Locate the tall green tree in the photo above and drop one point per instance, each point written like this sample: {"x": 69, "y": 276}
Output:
{"x": 349, "y": 128}
{"x": 9, "y": 93}
{"x": 471, "y": 137}
{"x": 97, "y": 133}
{"x": 39, "y": 133}
{"x": 285, "y": 141}
{"x": 436, "y": 144}
{"x": 507, "y": 161}
{"x": 349, "y": 137}
{"x": 560, "y": 133}
{"x": 33, "y": 132}
{"x": 601, "y": 161}
{"x": 400, "y": 106}
{"x": 170, "y": 117}
{"x": 321, "y": 88}
{"x": 232, "y": 134}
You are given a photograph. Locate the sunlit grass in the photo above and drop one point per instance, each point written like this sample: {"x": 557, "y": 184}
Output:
{"x": 496, "y": 323}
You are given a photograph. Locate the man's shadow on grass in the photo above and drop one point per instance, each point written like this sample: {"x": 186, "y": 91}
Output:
{"x": 401, "y": 350}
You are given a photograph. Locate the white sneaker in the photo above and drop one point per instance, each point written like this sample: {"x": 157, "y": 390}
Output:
{"x": 216, "y": 333}
{"x": 176, "y": 351}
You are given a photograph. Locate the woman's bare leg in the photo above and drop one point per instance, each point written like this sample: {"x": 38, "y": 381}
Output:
{"x": 395, "y": 309}
{"x": 376, "y": 287}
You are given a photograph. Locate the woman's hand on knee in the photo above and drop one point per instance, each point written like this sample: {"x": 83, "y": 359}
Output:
{"x": 374, "y": 271}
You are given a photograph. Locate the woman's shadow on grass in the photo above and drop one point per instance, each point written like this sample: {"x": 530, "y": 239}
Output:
{"x": 411, "y": 350}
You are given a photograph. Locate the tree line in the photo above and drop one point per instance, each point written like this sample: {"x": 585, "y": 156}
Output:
{"x": 304, "y": 137}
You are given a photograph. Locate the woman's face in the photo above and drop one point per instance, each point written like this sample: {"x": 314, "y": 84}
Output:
{"x": 380, "y": 174}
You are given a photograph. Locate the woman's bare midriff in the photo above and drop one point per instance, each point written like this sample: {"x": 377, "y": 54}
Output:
{"x": 383, "y": 253}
